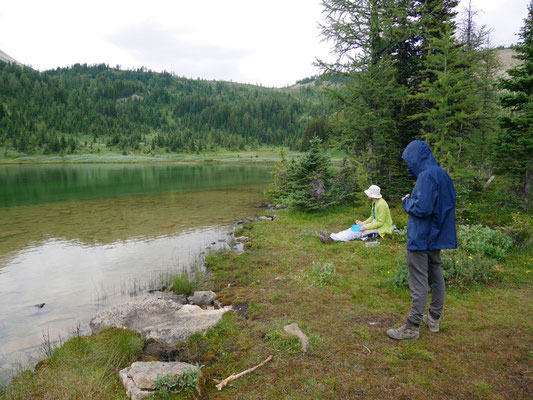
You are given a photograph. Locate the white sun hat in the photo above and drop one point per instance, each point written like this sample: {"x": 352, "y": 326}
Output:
{"x": 374, "y": 192}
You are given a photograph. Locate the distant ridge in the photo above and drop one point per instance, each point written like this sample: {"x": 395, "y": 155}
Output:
{"x": 7, "y": 58}
{"x": 507, "y": 61}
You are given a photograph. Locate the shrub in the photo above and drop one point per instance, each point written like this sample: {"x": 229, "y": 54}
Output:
{"x": 459, "y": 270}
{"x": 185, "y": 383}
{"x": 484, "y": 241}
{"x": 521, "y": 228}
{"x": 322, "y": 274}
{"x": 401, "y": 278}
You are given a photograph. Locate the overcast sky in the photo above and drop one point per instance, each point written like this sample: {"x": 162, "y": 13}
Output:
{"x": 273, "y": 43}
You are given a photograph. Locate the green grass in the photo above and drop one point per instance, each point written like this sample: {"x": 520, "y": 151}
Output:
{"x": 85, "y": 367}
{"x": 484, "y": 338}
{"x": 187, "y": 282}
{"x": 483, "y": 350}
{"x": 100, "y": 153}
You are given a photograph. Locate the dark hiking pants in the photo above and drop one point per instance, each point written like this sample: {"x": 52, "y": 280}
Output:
{"x": 424, "y": 273}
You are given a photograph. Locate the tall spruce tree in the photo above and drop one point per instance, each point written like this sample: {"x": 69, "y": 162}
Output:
{"x": 514, "y": 146}
{"x": 482, "y": 65}
{"x": 449, "y": 108}
{"x": 364, "y": 38}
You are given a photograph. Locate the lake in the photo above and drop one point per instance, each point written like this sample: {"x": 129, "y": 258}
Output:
{"x": 81, "y": 237}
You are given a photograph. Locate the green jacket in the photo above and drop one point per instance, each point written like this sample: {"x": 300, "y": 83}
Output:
{"x": 383, "y": 219}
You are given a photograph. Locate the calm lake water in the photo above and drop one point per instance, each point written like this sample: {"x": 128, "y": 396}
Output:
{"x": 82, "y": 237}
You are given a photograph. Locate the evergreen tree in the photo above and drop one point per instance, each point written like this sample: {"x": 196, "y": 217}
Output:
{"x": 449, "y": 108}
{"x": 305, "y": 183}
{"x": 514, "y": 146}
{"x": 482, "y": 66}
{"x": 366, "y": 42}
{"x": 309, "y": 180}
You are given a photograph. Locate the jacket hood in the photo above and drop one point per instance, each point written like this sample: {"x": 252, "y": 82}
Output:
{"x": 418, "y": 157}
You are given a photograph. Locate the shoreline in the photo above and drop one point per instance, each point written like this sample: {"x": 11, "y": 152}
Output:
{"x": 345, "y": 311}
{"x": 260, "y": 156}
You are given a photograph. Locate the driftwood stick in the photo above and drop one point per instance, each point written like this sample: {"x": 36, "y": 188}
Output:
{"x": 236, "y": 376}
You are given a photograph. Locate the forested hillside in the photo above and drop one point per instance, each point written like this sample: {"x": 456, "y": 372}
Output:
{"x": 64, "y": 110}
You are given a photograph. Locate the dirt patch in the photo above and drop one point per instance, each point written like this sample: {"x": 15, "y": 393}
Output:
{"x": 241, "y": 309}
{"x": 522, "y": 382}
{"x": 160, "y": 351}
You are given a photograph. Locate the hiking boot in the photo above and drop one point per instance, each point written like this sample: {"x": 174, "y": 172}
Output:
{"x": 404, "y": 332}
{"x": 325, "y": 238}
{"x": 433, "y": 324}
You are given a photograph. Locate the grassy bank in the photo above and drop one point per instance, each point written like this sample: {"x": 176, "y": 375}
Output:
{"x": 102, "y": 154}
{"x": 342, "y": 297}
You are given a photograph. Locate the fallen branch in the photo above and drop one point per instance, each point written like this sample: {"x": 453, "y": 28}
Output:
{"x": 235, "y": 376}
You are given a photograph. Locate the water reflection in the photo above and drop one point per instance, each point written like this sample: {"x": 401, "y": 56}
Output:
{"x": 34, "y": 184}
{"x": 79, "y": 255}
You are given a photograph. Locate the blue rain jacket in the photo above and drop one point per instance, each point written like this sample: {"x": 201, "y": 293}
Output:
{"x": 431, "y": 207}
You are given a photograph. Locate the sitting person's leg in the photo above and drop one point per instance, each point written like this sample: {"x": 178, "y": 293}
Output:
{"x": 346, "y": 235}
{"x": 369, "y": 232}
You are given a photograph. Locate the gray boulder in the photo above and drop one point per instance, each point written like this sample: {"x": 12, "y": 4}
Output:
{"x": 164, "y": 321}
{"x": 202, "y": 297}
{"x": 138, "y": 380}
{"x": 294, "y": 329}
{"x": 242, "y": 239}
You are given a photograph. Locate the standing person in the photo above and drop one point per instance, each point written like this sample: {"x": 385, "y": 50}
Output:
{"x": 379, "y": 222}
{"x": 430, "y": 228}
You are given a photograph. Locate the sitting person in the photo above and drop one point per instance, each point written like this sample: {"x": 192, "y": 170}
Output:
{"x": 379, "y": 222}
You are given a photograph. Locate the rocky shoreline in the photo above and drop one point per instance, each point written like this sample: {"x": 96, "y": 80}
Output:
{"x": 164, "y": 323}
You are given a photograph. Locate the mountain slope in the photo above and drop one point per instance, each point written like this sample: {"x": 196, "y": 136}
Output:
{"x": 8, "y": 59}
{"x": 58, "y": 110}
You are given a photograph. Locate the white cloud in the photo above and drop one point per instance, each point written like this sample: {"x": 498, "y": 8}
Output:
{"x": 270, "y": 42}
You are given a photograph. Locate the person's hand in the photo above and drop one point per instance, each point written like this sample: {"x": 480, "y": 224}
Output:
{"x": 362, "y": 229}
{"x": 359, "y": 222}
{"x": 406, "y": 197}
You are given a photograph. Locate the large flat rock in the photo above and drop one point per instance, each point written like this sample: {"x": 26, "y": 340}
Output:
{"x": 162, "y": 320}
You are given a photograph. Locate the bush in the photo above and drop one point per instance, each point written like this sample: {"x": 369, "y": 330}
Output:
{"x": 401, "y": 279}
{"x": 459, "y": 270}
{"x": 482, "y": 240}
{"x": 322, "y": 274}
{"x": 521, "y": 228}
{"x": 473, "y": 263}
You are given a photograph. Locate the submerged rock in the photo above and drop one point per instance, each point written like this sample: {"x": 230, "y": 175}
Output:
{"x": 164, "y": 321}
{"x": 7, "y": 234}
{"x": 138, "y": 380}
